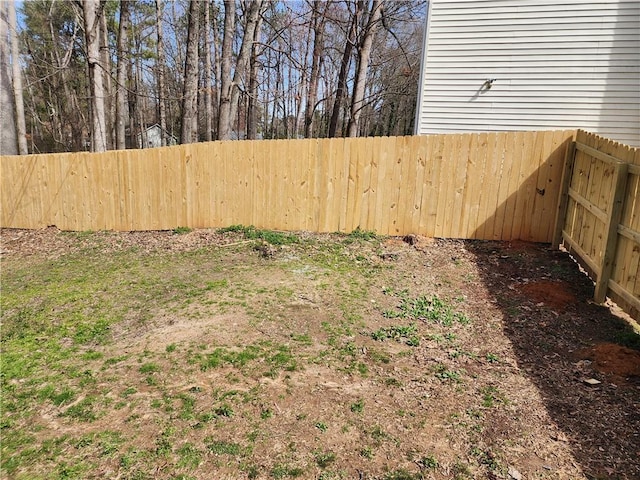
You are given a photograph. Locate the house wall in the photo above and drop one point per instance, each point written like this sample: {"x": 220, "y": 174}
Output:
{"x": 556, "y": 64}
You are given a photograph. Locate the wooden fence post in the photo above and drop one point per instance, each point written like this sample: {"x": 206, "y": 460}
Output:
{"x": 563, "y": 196}
{"x": 611, "y": 229}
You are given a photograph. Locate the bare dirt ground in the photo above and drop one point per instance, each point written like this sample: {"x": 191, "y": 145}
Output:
{"x": 337, "y": 356}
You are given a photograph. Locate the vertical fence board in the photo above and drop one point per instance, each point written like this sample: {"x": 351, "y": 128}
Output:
{"x": 397, "y": 184}
{"x": 438, "y": 185}
{"x": 487, "y": 188}
{"x": 405, "y": 184}
{"x": 362, "y": 184}
{"x": 413, "y": 176}
{"x": 447, "y": 167}
{"x": 459, "y": 210}
{"x": 431, "y": 181}
{"x": 342, "y": 163}
{"x": 474, "y": 183}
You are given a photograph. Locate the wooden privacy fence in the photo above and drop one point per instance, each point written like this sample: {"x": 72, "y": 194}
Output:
{"x": 599, "y": 218}
{"x": 490, "y": 185}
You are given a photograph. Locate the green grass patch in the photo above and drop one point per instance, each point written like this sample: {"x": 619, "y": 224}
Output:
{"x": 401, "y": 333}
{"x": 221, "y": 447}
{"x": 426, "y": 308}
{"x": 269, "y": 236}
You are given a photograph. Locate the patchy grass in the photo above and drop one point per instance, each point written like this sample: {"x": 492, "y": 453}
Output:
{"x": 149, "y": 356}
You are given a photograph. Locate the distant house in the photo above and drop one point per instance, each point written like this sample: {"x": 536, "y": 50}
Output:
{"x": 500, "y": 65}
{"x": 152, "y": 137}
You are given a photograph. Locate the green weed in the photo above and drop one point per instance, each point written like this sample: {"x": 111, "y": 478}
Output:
{"x": 128, "y": 391}
{"x": 224, "y": 410}
{"x": 189, "y": 456}
{"x": 492, "y": 358}
{"x": 359, "y": 234}
{"x": 221, "y": 447}
{"x": 282, "y": 471}
{"x": 366, "y": 452}
{"x": 149, "y": 368}
{"x": 446, "y": 375}
{"x": 324, "y": 459}
{"x": 269, "y": 236}
{"x": 401, "y": 474}
{"x": 357, "y": 407}
{"x": 83, "y": 411}
{"x": 428, "y": 463}
{"x": 491, "y": 396}
{"x": 321, "y": 426}
{"x": 426, "y": 308}
{"x": 408, "y": 334}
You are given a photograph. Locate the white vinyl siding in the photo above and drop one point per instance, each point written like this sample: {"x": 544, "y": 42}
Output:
{"x": 556, "y": 64}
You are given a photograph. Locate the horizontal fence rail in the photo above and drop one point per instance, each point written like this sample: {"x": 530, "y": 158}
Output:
{"x": 498, "y": 186}
{"x": 599, "y": 217}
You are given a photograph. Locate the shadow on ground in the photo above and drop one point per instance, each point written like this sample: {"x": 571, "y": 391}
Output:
{"x": 566, "y": 345}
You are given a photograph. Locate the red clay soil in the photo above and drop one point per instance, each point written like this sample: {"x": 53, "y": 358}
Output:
{"x": 612, "y": 359}
{"x": 553, "y": 293}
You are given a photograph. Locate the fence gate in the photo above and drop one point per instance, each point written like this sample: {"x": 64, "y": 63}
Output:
{"x": 599, "y": 219}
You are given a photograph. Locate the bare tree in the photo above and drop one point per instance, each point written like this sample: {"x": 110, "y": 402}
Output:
{"x": 364, "y": 54}
{"x": 17, "y": 82}
{"x": 246, "y": 48}
{"x": 224, "y": 113}
{"x": 344, "y": 69}
{"x": 105, "y": 62}
{"x": 317, "y": 24}
{"x": 162, "y": 109}
{"x": 121, "y": 88}
{"x": 92, "y": 10}
{"x": 8, "y": 143}
{"x": 252, "y": 102}
{"x": 189, "y": 134}
{"x": 208, "y": 82}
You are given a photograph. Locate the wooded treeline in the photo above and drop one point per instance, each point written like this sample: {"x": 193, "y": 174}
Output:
{"x": 96, "y": 74}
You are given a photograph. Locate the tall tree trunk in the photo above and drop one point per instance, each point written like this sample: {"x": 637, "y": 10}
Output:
{"x": 92, "y": 11}
{"x": 364, "y": 54}
{"x": 141, "y": 101}
{"x": 17, "y": 82}
{"x": 208, "y": 89}
{"x": 216, "y": 62}
{"x": 344, "y": 69}
{"x": 318, "y": 21}
{"x": 224, "y": 114}
{"x": 252, "y": 116}
{"x": 190, "y": 92}
{"x": 8, "y": 137}
{"x": 162, "y": 112}
{"x": 301, "y": 94}
{"x": 105, "y": 60}
{"x": 132, "y": 101}
{"x": 255, "y": 9}
{"x": 121, "y": 90}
